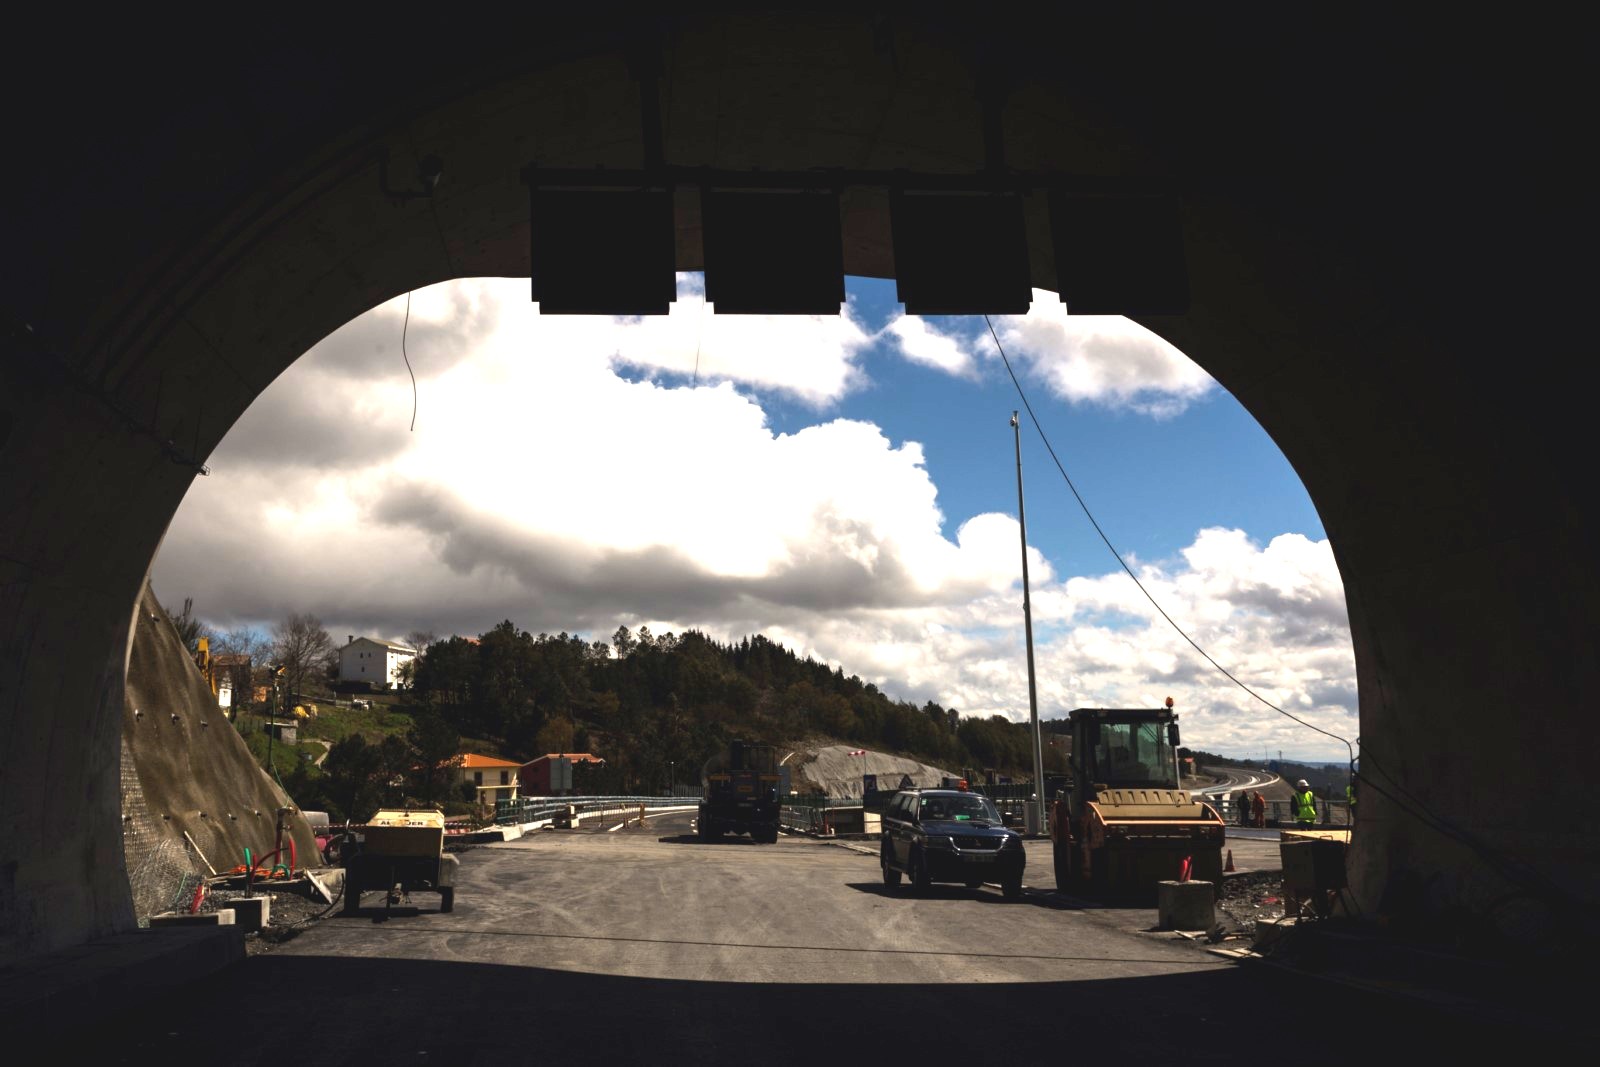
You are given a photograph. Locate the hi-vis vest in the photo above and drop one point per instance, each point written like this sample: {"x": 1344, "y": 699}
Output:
{"x": 1305, "y": 806}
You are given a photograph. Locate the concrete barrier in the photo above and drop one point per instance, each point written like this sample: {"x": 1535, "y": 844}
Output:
{"x": 1186, "y": 905}
{"x": 250, "y": 913}
{"x": 204, "y": 918}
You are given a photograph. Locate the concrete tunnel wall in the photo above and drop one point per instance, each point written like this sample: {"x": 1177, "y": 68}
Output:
{"x": 1360, "y": 275}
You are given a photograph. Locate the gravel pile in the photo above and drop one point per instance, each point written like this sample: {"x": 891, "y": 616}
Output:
{"x": 836, "y": 770}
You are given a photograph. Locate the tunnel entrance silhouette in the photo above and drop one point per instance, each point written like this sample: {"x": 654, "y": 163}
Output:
{"x": 1359, "y": 275}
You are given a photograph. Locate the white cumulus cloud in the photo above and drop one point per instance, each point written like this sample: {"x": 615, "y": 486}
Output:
{"x": 548, "y": 483}
{"x": 1106, "y": 360}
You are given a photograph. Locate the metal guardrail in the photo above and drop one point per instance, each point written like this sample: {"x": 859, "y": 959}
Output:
{"x": 809, "y": 813}
{"x": 1279, "y": 814}
{"x": 537, "y": 809}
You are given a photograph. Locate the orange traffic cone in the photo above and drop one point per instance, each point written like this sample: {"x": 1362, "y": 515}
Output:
{"x": 1229, "y": 867}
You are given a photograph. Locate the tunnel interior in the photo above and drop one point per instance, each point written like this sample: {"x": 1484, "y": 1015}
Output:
{"x": 1357, "y": 270}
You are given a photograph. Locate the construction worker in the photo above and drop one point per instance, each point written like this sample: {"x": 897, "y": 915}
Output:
{"x": 1258, "y": 809}
{"x": 1305, "y": 805}
{"x": 1350, "y": 799}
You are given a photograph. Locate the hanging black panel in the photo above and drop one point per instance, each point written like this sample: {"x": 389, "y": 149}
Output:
{"x": 960, "y": 254}
{"x": 1119, "y": 255}
{"x": 777, "y": 253}
{"x": 602, "y": 252}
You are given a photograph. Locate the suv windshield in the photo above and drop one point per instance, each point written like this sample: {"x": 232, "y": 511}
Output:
{"x": 967, "y": 807}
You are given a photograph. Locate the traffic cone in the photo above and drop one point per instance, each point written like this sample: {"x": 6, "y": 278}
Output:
{"x": 1228, "y": 869}
{"x": 1184, "y": 868}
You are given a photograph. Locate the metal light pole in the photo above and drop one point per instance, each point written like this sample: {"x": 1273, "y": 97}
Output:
{"x": 1027, "y": 622}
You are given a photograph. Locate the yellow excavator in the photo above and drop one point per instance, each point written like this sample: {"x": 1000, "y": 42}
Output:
{"x": 1123, "y": 824}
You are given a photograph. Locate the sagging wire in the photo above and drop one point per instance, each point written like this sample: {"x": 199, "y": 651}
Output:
{"x": 1506, "y": 866}
{"x": 1124, "y": 565}
{"x": 404, "y": 329}
{"x": 699, "y": 336}
{"x": 309, "y": 919}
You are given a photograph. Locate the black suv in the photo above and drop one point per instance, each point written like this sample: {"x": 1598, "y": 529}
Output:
{"x": 948, "y": 835}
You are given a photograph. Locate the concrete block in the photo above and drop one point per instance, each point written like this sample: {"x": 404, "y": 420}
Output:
{"x": 1186, "y": 905}
{"x": 1271, "y": 931}
{"x": 204, "y": 918}
{"x": 484, "y": 837}
{"x": 251, "y": 913}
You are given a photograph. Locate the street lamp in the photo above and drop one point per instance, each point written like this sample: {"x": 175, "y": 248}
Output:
{"x": 672, "y": 780}
{"x": 1037, "y": 807}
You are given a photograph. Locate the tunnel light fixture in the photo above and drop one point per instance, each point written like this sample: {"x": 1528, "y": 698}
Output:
{"x": 604, "y": 241}
{"x": 960, "y": 253}
{"x": 1119, "y": 254}
{"x": 776, "y": 252}
{"x": 602, "y": 252}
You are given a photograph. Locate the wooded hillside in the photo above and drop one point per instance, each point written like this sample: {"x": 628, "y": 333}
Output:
{"x": 658, "y": 706}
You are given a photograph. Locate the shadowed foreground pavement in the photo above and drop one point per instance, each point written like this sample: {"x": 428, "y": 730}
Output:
{"x": 637, "y": 947}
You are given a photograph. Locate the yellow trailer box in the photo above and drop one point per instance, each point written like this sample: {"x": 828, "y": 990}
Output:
{"x": 405, "y": 833}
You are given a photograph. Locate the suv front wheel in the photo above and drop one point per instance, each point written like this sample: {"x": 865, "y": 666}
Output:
{"x": 921, "y": 879}
{"x": 891, "y": 877}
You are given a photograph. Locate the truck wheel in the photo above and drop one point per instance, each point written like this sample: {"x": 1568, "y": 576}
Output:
{"x": 891, "y": 877}
{"x": 447, "y": 898}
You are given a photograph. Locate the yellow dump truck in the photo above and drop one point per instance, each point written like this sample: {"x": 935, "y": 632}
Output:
{"x": 1123, "y": 825}
{"x": 741, "y": 789}
{"x": 400, "y": 852}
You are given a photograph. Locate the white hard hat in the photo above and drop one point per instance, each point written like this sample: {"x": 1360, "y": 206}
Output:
{"x": 1303, "y": 784}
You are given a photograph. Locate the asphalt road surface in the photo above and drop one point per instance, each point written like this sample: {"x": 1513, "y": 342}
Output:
{"x": 645, "y": 946}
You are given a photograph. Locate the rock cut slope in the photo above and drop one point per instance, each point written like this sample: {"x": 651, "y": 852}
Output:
{"x": 186, "y": 769}
{"x": 837, "y": 770}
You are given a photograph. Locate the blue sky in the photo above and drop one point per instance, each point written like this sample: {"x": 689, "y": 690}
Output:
{"x": 844, "y": 484}
{"x": 1151, "y": 484}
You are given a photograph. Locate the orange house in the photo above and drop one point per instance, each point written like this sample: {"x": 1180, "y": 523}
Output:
{"x": 494, "y": 779}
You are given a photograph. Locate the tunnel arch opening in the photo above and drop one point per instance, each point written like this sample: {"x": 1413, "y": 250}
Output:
{"x": 853, "y": 524}
{"x": 126, "y": 377}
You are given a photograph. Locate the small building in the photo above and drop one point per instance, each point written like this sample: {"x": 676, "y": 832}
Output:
{"x": 230, "y": 677}
{"x": 377, "y": 663}
{"x": 287, "y": 733}
{"x": 494, "y": 779}
{"x": 550, "y": 775}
